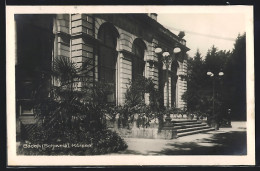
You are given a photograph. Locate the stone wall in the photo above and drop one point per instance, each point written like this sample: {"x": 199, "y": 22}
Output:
{"x": 150, "y": 132}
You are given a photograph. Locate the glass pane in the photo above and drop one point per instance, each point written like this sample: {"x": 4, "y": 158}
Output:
{"x": 107, "y": 71}
{"x": 138, "y": 59}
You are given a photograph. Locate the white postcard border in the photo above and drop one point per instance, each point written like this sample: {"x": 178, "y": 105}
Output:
{"x": 14, "y": 160}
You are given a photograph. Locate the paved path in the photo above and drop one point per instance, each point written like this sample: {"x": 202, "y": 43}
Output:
{"x": 225, "y": 141}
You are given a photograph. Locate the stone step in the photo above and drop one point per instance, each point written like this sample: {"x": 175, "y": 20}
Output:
{"x": 187, "y": 123}
{"x": 180, "y": 121}
{"x": 194, "y": 132}
{"x": 189, "y": 126}
{"x": 192, "y": 129}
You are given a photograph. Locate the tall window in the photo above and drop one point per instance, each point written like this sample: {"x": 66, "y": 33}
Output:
{"x": 34, "y": 57}
{"x": 161, "y": 81}
{"x": 107, "y": 58}
{"x": 138, "y": 59}
{"x": 174, "y": 78}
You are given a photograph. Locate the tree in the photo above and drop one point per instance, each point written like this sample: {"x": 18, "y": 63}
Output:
{"x": 199, "y": 93}
{"x": 195, "y": 94}
{"x": 69, "y": 108}
{"x": 215, "y": 62}
{"x": 230, "y": 89}
{"x": 235, "y": 79}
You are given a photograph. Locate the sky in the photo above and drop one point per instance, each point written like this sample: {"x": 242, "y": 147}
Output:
{"x": 202, "y": 31}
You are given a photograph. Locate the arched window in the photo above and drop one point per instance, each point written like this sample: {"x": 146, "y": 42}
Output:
{"x": 107, "y": 58}
{"x": 161, "y": 81}
{"x": 138, "y": 59}
{"x": 174, "y": 77}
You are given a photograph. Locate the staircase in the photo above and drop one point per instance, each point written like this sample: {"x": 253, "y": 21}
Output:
{"x": 190, "y": 127}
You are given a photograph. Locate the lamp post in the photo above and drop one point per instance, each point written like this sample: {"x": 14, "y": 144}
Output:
{"x": 167, "y": 60}
{"x": 213, "y": 96}
{"x": 229, "y": 118}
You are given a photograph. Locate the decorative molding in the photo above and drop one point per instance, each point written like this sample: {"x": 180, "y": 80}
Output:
{"x": 126, "y": 54}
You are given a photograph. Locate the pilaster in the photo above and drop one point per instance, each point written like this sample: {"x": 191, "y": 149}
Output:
{"x": 83, "y": 46}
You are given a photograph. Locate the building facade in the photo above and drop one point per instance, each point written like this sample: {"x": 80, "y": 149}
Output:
{"x": 122, "y": 46}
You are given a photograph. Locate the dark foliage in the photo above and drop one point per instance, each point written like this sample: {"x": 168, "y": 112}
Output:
{"x": 229, "y": 89}
{"x": 73, "y": 114}
{"x": 235, "y": 80}
{"x": 135, "y": 103}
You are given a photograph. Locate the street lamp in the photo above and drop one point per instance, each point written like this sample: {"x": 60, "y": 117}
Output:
{"x": 167, "y": 60}
{"x": 212, "y": 75}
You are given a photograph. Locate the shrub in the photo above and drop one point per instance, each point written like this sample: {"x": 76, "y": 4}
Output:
{"x": 73, "y": 143}
{"x": 135, "y": 103}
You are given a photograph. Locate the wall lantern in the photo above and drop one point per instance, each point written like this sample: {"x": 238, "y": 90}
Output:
{"x": 221, "y": 73}
{"x": 176, "y": 50}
